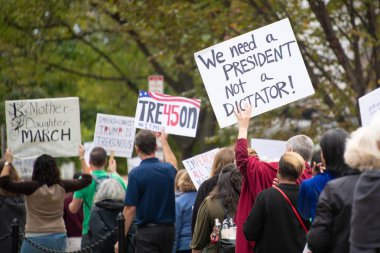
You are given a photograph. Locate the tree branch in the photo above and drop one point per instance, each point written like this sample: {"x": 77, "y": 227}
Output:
{"x": 319, "y": 9}
{"x": 83, "y": 74}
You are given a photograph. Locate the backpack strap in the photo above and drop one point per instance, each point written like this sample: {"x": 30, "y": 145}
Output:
{"x": 293, "y": 208}
{"x": 97, "y": 182}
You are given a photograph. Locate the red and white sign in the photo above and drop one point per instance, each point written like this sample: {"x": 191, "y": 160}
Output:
{"x": 156, "y": 83}
{"x": 178, "y": 115}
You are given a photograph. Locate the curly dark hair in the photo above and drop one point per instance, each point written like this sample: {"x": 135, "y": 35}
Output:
{"x": 45, "y": 170}
{"x": 228, "y": 187}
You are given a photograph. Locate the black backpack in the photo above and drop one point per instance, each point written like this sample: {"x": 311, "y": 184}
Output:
{"x": 227, "y": 235}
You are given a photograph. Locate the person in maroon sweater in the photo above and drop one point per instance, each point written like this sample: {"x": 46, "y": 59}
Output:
{"x": 73, "y": 222}
{"x": 259, "y": 175}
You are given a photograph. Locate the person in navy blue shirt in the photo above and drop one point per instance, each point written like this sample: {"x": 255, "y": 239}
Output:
{"x": 332, "y": 144}
{"x": 150, "y": 195}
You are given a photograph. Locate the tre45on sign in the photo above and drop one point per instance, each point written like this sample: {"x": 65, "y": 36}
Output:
{"x": 178, "y": 115}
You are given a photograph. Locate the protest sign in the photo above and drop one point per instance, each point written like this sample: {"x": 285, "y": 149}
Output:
{"x": 88, "y": 146}
{"x": 178, "y": 115}
{"x": 132, "y": 163}
{"x": 269, "y": 150}
{"x": 156, "y": 83}
{"x": 115, "y": 133}
{"x": 43, "y": 126}
{"x": 263, "y": 68}
{"x": 24, "y": 166}
{"x": 199, "y": 167}
{"x": 369, "y": 104}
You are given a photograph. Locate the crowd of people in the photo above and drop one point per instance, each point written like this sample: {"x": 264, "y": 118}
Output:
{"x": 311, "y": 200}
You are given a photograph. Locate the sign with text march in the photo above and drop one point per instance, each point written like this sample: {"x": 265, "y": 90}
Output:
{"x": 115, "y": 134}
{"x": 43, "y": 126}
{"x": 199, "y": 166}
{"x": 178, "y": 115}
{"x": 263, "y": 68}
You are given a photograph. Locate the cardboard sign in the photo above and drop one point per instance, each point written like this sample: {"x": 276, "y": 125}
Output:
{"x": 263, "y": 68}
{"x": 115, "y": 133}
{"x": 24, "y": 167}
{"x": 133, "y": 163}
{"x": 369, "y": 104}
{"x": 178, "y": 115}
{"x": 199, "y": 167}
{"x": 269, "y": 150}
{"x": 43, "y": 126}
{"x": 156, "y": 83}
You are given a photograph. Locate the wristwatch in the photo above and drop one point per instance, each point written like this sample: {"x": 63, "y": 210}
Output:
{"x": 7, "y": 163}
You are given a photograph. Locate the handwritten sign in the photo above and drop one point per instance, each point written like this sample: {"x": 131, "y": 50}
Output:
{"x": 263, "y": 68}
{"x": 269, "y": 150}
{"x": 178, "y": 115}
{"x": 199, "y": 167}
{"x": 133, "y": 163}
{"x": 369, "y": 104}
{"x": 43, "y": 126}
{"x": 115, "y": 133}
{"x": 24, "y": 167}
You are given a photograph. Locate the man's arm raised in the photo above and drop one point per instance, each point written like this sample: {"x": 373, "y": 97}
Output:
{"x": 168, "y": 153}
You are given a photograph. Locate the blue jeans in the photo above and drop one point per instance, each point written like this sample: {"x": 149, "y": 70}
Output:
{"x": 52, "y": 241}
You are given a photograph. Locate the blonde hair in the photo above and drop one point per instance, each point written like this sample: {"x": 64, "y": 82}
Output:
{"x": 185, "y": 183}
{"x": 177, "y": 177}
{"x": 109, "y": 189}
{"x": 221, "y": 159}
{"x": 362, "y": 148}
{"x": 291, "y": 165}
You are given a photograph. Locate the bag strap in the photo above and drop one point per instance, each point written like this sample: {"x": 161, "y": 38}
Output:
{"x": 293, "y": 208}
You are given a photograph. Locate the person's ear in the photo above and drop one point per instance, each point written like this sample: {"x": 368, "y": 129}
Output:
{"x": 155, "y": 148}
{"x": 137, "y": 149}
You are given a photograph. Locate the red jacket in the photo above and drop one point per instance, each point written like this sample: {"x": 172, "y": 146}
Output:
{"x": 257, "y": 176}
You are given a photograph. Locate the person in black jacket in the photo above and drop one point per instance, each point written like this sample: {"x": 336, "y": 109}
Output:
{"x": 330, "y": 230}
{"x": 108, "y": 203}
{"x": 272, "y": 223}
{"x": 363, "y": 152}
{"x": 12, "y": 206}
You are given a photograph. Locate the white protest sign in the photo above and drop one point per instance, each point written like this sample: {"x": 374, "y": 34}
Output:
{"x": 199, "y": 166}
{"x": 269, "y": 150}
{"x": 24, "y": 166}
{"x": 178, "y": 115}
{"x": 88, "y": 146}
{"x": 133, "y": 162}
{"x": 43, "y": 126}
{"x": 263, "y": 68}
{"x": 115, "y": 133}
{"x": 369, "y": 104}
{"x": 156, "y": 83}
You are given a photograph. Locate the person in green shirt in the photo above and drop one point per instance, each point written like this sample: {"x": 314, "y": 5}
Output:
{"x": 98, "y": 162}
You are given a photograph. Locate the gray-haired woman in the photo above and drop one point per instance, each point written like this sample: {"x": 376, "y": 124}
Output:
{"x": 363, "y": 152}
{"x": 108, "y": 203}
